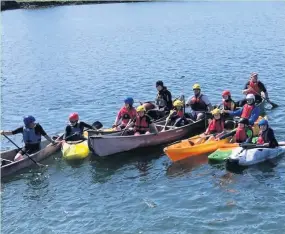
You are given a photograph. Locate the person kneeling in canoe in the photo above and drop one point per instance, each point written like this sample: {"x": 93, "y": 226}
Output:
{"x": 249, "y": 111}
{"x": 32, "y": 133}
{"x": 199, "y": 103}
{"x": 74, "y": 130}
{"x": 176, "y": 116}
{"x": 126, "y": 113}
{"x": 266, "y": 135}
{"x": 142, "y": 123}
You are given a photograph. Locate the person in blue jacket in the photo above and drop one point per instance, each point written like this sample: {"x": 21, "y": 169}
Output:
{"x": 249, "y": 111}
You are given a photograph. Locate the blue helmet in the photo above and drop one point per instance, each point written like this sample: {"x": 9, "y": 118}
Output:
{"x": 263, "y": 122}
{"x": 29, "y": 119}
{"x": 129, "y": 100}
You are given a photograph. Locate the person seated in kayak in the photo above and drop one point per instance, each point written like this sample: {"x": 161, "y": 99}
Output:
{"x": 199, "y": 103}
{"x": 216, "y": 125}
{"x": 32, "y": 133}
{"x": 244, "y": 132}
{"x": 266, "y": 135}
{"x": 249, "y": 111}
{"x": 176, "y": 116}
{"x": 255, "y": 87}
{"x": 74, "y": 130}
{"x": 163, "y": 98}
{"x": 142, "y": 123}
{"x": 228, "y": 103}
{"x": 126, "y": 113}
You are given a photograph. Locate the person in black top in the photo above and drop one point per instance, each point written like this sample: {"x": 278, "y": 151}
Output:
{"x": 32, "y": 133}
{"x": 163, "y": 98}
{"x": 74, "y": 131}
{"x": 266, "y": 135}
{"x": 255, "y": 87}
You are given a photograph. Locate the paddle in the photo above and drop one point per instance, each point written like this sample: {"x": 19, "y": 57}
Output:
{"x": 130, "y": 121}
{"x": 274, "y": 105}
{"x": 167, "y": 119}
{"x": 38, "y": 164}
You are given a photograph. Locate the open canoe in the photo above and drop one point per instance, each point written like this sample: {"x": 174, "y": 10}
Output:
{"x": 9, "y": 167}
{"x": 104, "y": 145}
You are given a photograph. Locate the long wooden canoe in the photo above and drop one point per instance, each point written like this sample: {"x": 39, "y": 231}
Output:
{"x": 104, "y": 145}
{"x": 8, "y": 166}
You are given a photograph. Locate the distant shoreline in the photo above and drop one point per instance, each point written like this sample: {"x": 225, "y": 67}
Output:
{"x": 12, "y": 5}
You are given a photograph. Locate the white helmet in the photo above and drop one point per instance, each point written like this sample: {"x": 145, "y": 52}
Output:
{"x": 250, "y": 96}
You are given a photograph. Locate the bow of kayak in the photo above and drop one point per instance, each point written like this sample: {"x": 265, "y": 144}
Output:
{"x": 75, "y": 150}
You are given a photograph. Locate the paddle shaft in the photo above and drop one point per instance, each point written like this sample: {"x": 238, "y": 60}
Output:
{"x": 266, "y": 99}
{"x": 130, "y": 121}
{"x": 38, "y": 164}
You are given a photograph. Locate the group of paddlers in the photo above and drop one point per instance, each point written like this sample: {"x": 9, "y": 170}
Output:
{"x": 139, "y": 120}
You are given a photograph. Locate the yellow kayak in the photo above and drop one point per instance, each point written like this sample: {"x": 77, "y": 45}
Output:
{"x": 75, "y": 150}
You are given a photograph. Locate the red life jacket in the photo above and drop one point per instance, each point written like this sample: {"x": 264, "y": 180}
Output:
{"x": 141, "y": 125}
{"x": 246, "y": 112}
{"x": 255, "y": 87}
{"x": 180, "y": 113}
{"x": 197, "y": 104}
{"x": 241, "y": 135}
{"x": 216, "y": 126}
{"x": 260, "y": 139}
{"x": 127, "y": 114}
{"x": 228, "y": 105}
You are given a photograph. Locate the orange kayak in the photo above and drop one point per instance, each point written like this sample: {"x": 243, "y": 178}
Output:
{"x": 192, "y": 147}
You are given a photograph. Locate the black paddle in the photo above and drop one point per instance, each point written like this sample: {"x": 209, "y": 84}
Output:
{"x": 274, "y": 105}
{"x": 38, "y": 164}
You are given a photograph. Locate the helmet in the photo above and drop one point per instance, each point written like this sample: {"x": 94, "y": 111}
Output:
{"x": 159, "y": 83}
{"x": 29, "y": 119}
{"x": 263, "y": 122}
{"x": 226, "y": 93}
{"x": 129, "y": 100}
{"x": 196, "y": 86}
{"x": 244, "y": 121}
{"x": 140, "y": 108}
{"x": 250, "y": 96}
{"x": 216, "y": 111}
{"x": 73, "y": 117}
{"x": 178, "y": 103}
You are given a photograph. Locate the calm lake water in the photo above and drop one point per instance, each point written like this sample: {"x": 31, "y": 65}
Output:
{"x": 87, "y": 59}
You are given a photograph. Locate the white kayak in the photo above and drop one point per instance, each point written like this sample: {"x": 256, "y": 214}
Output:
{"x": 247, "y": 157}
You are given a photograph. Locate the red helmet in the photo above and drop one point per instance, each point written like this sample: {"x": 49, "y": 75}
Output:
{"x": 73, "y": 117}
{"x": 226, "y": 93}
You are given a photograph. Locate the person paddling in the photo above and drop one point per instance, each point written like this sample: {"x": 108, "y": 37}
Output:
{"x": 199, "y": 103}
{"x": 177, "y": 117}
{"x": 32, "y": 133}
{"x": 266, "y": 135}
{"x": 255, "y": 87}
{"x": 217, "y": 124}
{"x": 74, "y": 130}
{"x": 142, "y": 123}
{"x": 126, "y": 113}
{"x": 249, "y": 111}
{"x": 163, "y": 98}
{"x": 244, "y": 132}
{"x": 228, "y": 103}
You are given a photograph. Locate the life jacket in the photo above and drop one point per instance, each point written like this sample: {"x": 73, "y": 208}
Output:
{"x": 197, "y": 104}
{"x": 247, "y": 110}
{"x": 141, "y": 125}
{"x": 255, "y": 87}
{"x": 216, "y": 126}
{"x": 242, "y": 134}
{"x": 228, "y": 105}
{"x": 30, "y": 136}
{"x": 76, "y": 129}
{"x": 127, "y": 114}
{"x": 162, "y": 98}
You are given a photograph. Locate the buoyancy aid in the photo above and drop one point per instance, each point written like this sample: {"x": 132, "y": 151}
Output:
{"x": 127, "y": 114}
{"x": 216, "y": 126}
{"x": 30, "y": 136}
{"x": 76, "y": 129}
{"x": 141, "y": 125}
{"x": 242, "y": 134}
{"x": 197, "y": 104}
{"x": 228, "y": 105}
{"x": 255, "y": 87}
{"x": 247, "y": 110}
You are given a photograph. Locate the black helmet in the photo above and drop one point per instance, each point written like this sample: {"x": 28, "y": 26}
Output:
{"x": 159, "y": 83}
{"x": 244, "y": 121}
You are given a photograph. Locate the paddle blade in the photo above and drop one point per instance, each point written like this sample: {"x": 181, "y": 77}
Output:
{"x": 97, "y": 125}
